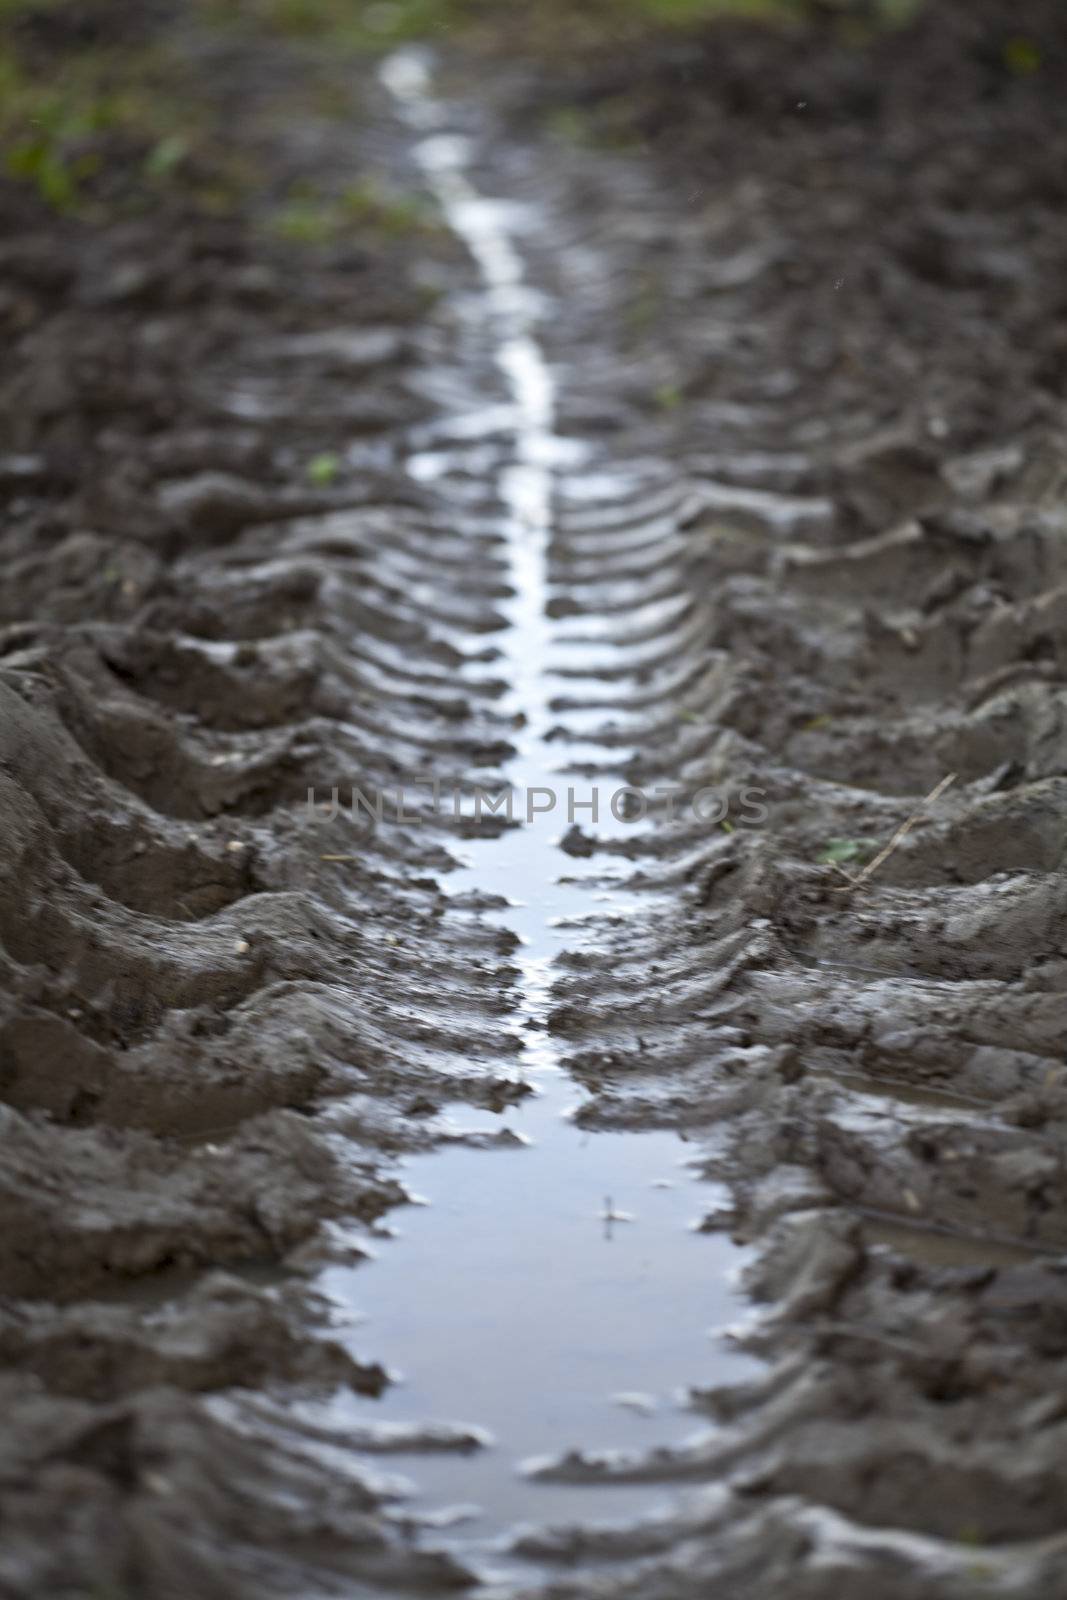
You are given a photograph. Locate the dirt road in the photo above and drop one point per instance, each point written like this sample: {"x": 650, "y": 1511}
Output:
{"x": 671, "y": 447}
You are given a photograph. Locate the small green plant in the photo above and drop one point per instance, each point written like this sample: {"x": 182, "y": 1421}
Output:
{"x": 39, "y": 163}
{"x": 668, "y": 396}
{"x": 303, "y": 221}
{"x": 312, "y": 218}
{"x": 366, "y": 204}
{"x": 114, "y": 125}
{"x": 1022, "y": 57}
{"x": 45, "y": 130}
{"x": 322, "y": 469}
{"x": 166, "y": 156}
{"x": 839, "y": 852}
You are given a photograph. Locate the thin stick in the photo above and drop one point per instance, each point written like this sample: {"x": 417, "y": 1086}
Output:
{"x": 905, "y": 828}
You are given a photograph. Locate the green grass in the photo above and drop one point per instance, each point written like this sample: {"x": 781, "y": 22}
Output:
{"x": 687, "y": 13}
{"x": 383, "y": 24}
{"x": 71, "y": 124}
{"x": 118, "y": 127}
{"x": 674, "y": 12}
{"x": 310, "y": 217}
{"x": 361, "y": 26}
{"x": 82, "y": 115}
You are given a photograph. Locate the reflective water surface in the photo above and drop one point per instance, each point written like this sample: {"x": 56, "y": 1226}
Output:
{"x": 552, "y": 1291}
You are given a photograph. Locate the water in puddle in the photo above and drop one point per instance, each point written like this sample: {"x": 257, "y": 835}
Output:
{"x": 552, "y": 1294}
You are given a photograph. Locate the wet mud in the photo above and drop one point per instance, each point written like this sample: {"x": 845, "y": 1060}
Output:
{"x": 801, "y": 300}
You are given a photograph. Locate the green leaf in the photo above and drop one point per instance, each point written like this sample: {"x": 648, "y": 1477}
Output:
{"x": 166, "y": 156}
{"x": 323, "y": 469}
{"x": 1021, "y": 56}
{"x": 837, "y": 852}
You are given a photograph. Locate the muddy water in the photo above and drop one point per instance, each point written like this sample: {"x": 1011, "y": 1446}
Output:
{"x": 552, "y": 1291}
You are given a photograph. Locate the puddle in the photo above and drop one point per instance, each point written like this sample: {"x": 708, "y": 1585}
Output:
{"x": 510, "y": 1303}
{"x": 940, "y": 1247}
{"x": 552, "y": 1292}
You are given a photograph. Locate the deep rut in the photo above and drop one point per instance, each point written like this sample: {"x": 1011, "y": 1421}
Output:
{"x": 528, "y": 1299}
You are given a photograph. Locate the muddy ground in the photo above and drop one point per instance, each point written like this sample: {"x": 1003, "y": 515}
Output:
{"x": 819, "y": 278}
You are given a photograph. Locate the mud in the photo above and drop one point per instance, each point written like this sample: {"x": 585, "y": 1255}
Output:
{"x": 806, "y": 311}
{"x": 181, "y": 963}
{"x": 862, "y": 526}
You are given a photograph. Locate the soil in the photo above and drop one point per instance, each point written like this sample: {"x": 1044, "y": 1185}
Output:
{"x": 811, "y": 287}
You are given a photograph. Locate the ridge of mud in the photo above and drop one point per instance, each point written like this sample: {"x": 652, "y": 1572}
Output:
{"x": 836, "y": 579}
{"x": 222, "y": 1014}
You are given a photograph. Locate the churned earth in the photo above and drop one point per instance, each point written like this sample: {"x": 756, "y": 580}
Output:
{"x": 801, "y": 294}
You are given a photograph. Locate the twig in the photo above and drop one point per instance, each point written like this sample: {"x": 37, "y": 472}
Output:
{"x": 905, "y": 828}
